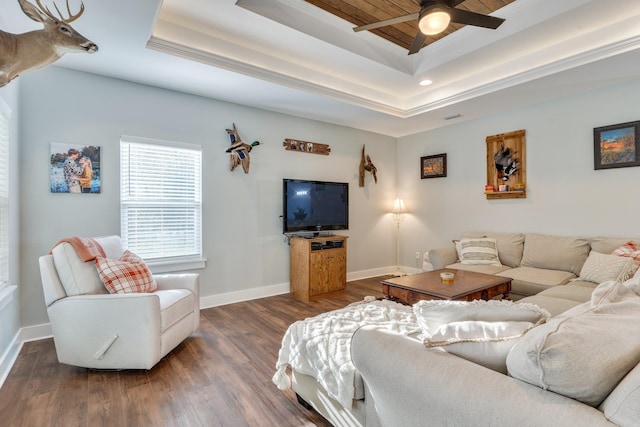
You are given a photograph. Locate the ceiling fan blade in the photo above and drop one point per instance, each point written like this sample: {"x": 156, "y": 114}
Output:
{"x": 386, "y": 22}
{"x": 418, "y": 42}
{"x": 476, "y": 19}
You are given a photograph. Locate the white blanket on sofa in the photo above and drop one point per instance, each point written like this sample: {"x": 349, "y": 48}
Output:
{"x": 320, "y": 346}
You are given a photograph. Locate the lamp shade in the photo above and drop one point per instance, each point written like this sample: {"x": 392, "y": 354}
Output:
{"x": 398, "y": 207}
{"x": 434, "y": 20}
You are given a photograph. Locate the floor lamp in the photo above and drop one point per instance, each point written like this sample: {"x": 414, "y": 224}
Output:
{"x": 398, "y": 209}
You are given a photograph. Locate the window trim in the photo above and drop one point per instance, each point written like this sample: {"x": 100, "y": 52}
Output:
{"x": 5, "y": 281}
{"x": 168, "y": 264}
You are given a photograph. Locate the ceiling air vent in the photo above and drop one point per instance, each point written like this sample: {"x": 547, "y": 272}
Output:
{"x": 453, "y": 116}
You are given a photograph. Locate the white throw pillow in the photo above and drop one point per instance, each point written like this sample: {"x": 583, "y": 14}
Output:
{"x": 432, "y": 314}
{"x": 479, "y": 251}
{"x": 584, "y": 352}
{"x": 599, "y": 268}
{"x": 484, "y": 343}
{"x": 77, "y": 277}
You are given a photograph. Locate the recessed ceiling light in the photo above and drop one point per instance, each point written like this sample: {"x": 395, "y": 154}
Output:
{"x": 425, "y": 82}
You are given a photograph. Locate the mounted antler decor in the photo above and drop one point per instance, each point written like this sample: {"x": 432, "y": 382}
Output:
{"x": 367, "y": 165}
{"x": 20, "y": 53}
{"x": 239, "y": 151}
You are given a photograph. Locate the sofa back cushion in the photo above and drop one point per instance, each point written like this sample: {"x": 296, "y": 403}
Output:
{"x": 585, "y": 352}
{"x": 79, "y": 277}
{"x": 555, "y": 252}
{"x": 510, "y": 246}
{"x": 606, "y": 245}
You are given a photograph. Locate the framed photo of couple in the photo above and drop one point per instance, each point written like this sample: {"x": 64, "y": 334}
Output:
{"x": 74, "y": 168}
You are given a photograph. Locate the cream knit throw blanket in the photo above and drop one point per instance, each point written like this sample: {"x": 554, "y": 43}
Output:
{"x": 320, "y": 346}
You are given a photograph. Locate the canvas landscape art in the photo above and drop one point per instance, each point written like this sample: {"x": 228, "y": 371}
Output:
{"x": 616, "y": 146}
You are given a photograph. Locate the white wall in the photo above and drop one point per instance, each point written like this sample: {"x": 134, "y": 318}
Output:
{"x": 242, "y": 229}
{"x": 9, "y": 300}
{"x": 565, "y": 195}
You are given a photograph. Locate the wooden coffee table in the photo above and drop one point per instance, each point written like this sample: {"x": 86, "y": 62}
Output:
{"x": 466, "y": 286}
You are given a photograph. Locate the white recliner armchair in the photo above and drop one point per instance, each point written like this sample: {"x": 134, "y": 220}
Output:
{"x": 95, "y": 329}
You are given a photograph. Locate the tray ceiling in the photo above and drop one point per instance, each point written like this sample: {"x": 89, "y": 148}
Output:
{"x": 294, "y": 57}
{"x": 362, "y": 12}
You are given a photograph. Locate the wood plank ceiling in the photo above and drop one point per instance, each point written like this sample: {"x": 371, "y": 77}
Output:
{"x": 362, "y": 12}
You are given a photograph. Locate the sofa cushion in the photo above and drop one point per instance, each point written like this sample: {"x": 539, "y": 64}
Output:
{"x": 622, "y": 406}
{"x": 77, "y": 277}
{"x": 530, "y": 281}
{"x": 510, "y": 246}
{"x": 553, "y": 305}
{"x": 555, "y": 252}
{"x": 129, "y": 274}
{"x": 606, "y": 245}
{"x": 486, "y": 269}
{"x": 175, "y": 304}
{"x": 576, "y": 291}
{"x": 584, "y": 352}
{"x": 600, "y": 268}
{"x": 479, "y": 251}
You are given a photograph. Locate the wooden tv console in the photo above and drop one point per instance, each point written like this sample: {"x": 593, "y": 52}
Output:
{"x": 318, "y": 266}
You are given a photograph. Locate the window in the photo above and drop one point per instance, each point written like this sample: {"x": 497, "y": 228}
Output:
{"x": 161, "y": 200}
{"x": 4, "y": 199}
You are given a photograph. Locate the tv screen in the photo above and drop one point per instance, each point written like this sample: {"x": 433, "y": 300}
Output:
{"x": 314, "y": 206}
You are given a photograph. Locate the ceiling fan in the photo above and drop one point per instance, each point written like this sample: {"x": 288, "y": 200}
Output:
{"x": 434, "y": 17}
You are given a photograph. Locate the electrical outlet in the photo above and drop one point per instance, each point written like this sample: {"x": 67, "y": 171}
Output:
{"x": 417, "y": 255}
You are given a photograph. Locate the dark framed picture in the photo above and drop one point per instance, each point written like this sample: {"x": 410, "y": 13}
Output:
{"x": 616, "y": 146}
{"x": 433, "y": 166}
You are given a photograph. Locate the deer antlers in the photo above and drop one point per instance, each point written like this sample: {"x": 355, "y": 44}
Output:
{"x": 71, "y": 17}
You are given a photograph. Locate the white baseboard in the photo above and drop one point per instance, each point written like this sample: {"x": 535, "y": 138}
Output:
{"x": 244, "y": 295}
{"x": 26, "y": 334}
{"x": 35, "y": 333}
{"x": 38, "y": 332}
{"x": 9, "y": 358}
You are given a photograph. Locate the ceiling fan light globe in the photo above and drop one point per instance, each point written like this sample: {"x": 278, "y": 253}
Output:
{"x": 434, "y": 22}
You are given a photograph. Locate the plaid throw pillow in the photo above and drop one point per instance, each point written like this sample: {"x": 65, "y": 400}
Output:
{"x": 629, "y": 250}
{"x": 129, "y": 274}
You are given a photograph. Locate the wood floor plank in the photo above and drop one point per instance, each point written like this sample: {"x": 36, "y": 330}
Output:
{"x": 220, "y": 376}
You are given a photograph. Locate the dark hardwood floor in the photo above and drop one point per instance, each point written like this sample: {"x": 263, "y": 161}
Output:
{"x": 220, "y": 376}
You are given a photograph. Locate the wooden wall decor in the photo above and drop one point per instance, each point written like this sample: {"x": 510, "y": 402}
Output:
{"x": 239, "y": 151}
{"x": 367, "y": 165}
{"x": 306, "y": 147}
{"x": 506, "y": 166}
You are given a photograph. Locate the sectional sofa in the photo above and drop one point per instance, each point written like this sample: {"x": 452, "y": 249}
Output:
{"x": 544, "y": 269}
{"x": 579, "y": 368}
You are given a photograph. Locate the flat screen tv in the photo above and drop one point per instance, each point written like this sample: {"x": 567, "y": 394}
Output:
{"x": 314, "y": 206}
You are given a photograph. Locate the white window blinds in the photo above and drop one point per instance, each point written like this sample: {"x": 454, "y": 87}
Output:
{"x": 161, "y": 199}
{"x": 4, "y": 199}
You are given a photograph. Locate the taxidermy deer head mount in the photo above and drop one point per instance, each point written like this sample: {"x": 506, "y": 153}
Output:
{"x": 20, "y": 53}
